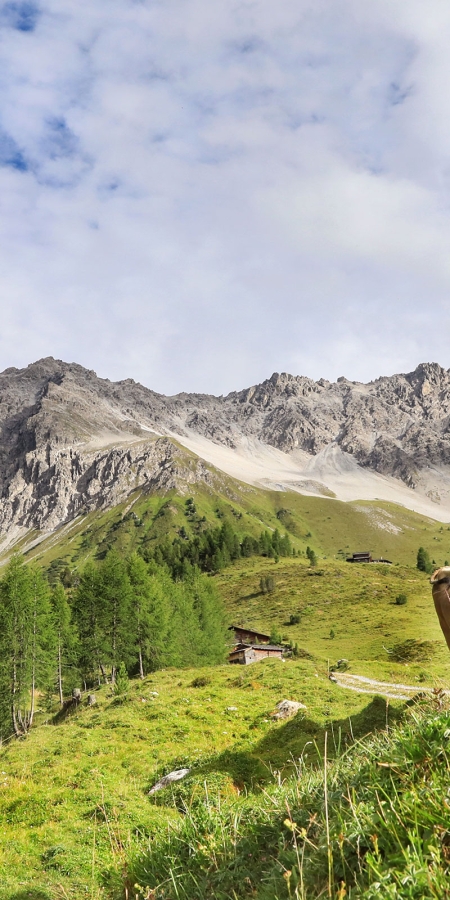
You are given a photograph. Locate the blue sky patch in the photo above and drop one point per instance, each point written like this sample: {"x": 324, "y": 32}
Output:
{"x": 20, "y": 15}
{"x": 10, "y": 154}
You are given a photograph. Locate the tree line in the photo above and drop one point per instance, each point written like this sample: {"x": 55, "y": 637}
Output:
{"x": 123, "y": 612}
{"x": 213, "y": 549}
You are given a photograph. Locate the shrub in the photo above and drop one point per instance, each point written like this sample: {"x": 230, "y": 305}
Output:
{"x": 276, "y": 637}
{"x": 294, "y": 619}
{"x": 267, "y": 584}
{"x": 122, "y": 681}
{"x": 200, "y": 681}
{"x": 412, "y": 651}
{"x": 401, "y": 599}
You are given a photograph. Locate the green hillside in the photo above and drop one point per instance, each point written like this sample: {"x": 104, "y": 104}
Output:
{"x": 355, "y": 603}
{"x": 372, "y": 824}
{"x": 74, "y": 803}
{"x": 330, "y": 527}
{"x": 75, "y": 815}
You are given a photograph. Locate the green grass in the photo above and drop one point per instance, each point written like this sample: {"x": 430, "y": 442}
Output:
{"x": 356, "y": 603}
{"x": 374, "y": 823}
{"x": 74, "y": 802}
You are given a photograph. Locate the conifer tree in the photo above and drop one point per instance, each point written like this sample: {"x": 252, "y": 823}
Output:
{"x": 311, "y": 556}
{"x": 217, "y": 562}
{"x": 285, "y": 548}
{"x": 42, "y": 636}
{"x": 424, "y": 563}
{"x": 64, "y": 635}
{"x": 117, "y": 624}
{"x": 211, "y": 620}
{"x": 184, "y": 634}
{"x": 88, "y": 616}
{"x": 150, "y": 611}
{"x": 276, "y": 538}
{"x": 25, "y": 644}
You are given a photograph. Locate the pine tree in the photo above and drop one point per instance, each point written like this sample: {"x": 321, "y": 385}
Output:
{"x": 217, "y": 562}
{"x": 285, "y": 546}
{"x": 121, "y": 683}
{"x": 210, "y": 614}
{"x": 184, "y": 635}
{"x": 276, "y": 538}
{"x": 250, "y": 546}
{"x": 311, "y": 556}
{"x": 151, "y": 613}
{"x": 42, "y": 636}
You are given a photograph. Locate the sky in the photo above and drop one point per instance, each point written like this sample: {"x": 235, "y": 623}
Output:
{"x": 196, "y": 194}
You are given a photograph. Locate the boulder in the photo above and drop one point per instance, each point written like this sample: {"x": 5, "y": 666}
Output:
{"x": 176, "y": 775}
{"x": 287, "y": 708}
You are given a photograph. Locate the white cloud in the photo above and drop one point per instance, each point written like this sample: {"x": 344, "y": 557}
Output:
{"x": 194, "y": 194}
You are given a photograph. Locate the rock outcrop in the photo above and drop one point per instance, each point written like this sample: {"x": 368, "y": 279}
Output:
{"x": 70, "y": 441}
{"x": 285, "y": 709}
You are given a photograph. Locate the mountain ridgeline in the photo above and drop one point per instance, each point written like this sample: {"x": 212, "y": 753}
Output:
{"x": 71, "y": 442}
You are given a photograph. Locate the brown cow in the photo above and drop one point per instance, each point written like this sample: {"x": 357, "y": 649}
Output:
{"x": 440, "y": 580}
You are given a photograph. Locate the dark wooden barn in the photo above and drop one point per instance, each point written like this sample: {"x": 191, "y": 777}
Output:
{"x": 365, "y": 557}
{"x": 248, "y": 636}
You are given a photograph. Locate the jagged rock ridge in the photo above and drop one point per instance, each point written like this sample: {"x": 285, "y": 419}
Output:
{"x": 71, "y": 441}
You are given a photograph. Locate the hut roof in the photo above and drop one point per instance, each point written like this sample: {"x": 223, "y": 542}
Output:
{"x": 249, "y": 631}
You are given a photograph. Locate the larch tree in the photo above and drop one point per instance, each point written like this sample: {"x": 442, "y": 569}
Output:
{"x": 88, "y": 615}
{"x": 117, "y": 623}
{"x": 64, "y": 635}
{"x": 25, "y": 644}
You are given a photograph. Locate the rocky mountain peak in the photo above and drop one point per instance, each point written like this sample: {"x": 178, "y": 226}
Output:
{"x": 60, "y": 423}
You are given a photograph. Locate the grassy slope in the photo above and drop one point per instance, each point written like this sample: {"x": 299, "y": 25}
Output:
{"x": 330, "y": 527}
{"x": 73, "y": 800}
{"x": 380, "y": 829}
{"x": 73, "y": 796}
{"x": 357, "y": 603}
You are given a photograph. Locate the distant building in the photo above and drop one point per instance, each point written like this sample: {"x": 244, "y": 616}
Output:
{"x": 251, "y": 646}
{"x": 244, "y": 654}
{"x": 248, "y": 636}
{"x": 365, "y": 557}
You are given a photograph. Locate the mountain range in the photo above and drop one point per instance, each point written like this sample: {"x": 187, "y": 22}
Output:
{"x": 71, "y": 442}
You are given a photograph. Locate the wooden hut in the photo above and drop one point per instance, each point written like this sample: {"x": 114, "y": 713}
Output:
{"x": 365, "y": 557}
{"x": 248, "y": 636}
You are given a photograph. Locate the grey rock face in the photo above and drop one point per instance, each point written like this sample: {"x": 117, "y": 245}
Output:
{"x": 70, "y": 441}
{"x": 53, "y": 486}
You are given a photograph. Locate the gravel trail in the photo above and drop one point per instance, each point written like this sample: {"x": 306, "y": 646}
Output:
{"x": 363, "y": 685}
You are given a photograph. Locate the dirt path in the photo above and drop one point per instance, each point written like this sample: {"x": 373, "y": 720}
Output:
{"x": 363, "y": 685}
